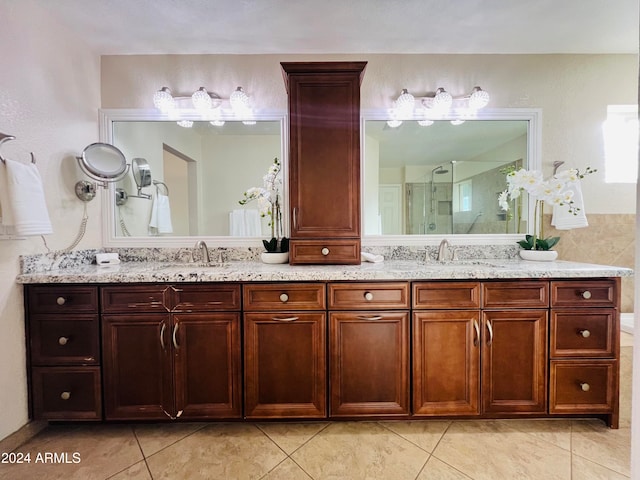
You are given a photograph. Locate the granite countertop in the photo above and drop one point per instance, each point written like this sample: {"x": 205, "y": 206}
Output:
{"x": 247, "y": 271}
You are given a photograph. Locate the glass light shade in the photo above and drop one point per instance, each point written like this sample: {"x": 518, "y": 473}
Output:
{"x": 405, "y": 103}
{"x": 442, "y": 101}
{"x": 239, "y": 100}
{"x": 478, "y": 99}
{"x": 163, "y": 100}
{"x": 394, "y": 123}
{"x": 217, "y": 123}
{"x": 201, "y": 100}
{"x": 249, "y": 122}
{"x": 185, "y": 123}
{"x": 425, "y": 123}
{"x": 457, "y": 121}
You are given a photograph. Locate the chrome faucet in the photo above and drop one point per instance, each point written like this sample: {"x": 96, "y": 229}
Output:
{"x": 443, "y": 250}
{"x": 204, "y": 251}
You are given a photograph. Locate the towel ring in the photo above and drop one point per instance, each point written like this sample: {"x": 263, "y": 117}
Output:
{"x": 5, "y": 138}
{"x": 158, "y": 183}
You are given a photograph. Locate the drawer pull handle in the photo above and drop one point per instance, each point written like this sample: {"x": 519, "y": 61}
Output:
{"x": 476, "y": 339}
{"x": 65, "y": 395}
{"x": 372, "y": 317}
{"x": 325, "y": 251}
{"x": 368, "y": 296}
{"x": 585, "y": 333}
{"x": 584, "y": 386}
{"x": 63, "y": 340}
{"x": 586, "y": 294}
{"x": 490, "y": 328}
{"x": 284, "y": 297}
{"x": 286, "y": 319}
{"x": 61, "y": 300}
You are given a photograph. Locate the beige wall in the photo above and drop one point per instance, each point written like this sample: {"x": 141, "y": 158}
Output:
{"x": 49, "y": 96}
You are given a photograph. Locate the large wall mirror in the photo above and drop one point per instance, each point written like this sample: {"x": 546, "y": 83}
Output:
{"x": 199, "y": 172}
{"x": 444, "y": 178}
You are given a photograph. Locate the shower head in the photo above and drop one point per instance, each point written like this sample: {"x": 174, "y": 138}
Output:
{"x": 439, "y": 170}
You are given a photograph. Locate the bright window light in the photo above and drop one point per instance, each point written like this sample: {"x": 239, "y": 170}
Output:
{"x": 620, "y": 132}
{"x": 463, "y": 193}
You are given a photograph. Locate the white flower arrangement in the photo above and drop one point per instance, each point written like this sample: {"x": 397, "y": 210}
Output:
{"x": 268, "y": 199}
{"x": 556, "y": 191}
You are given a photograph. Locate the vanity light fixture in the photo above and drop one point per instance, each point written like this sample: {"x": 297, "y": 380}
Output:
{"x": 185, "y": 123}
{"x": 439, "y": 105}
{"x": 207, "y": 104}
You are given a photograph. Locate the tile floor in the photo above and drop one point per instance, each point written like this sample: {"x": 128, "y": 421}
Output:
{"x": 395, "y": 450}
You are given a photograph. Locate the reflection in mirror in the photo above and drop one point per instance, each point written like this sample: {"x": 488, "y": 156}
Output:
{"x": 205, "y": 169}
{"x": 102, "y": 161}
{"x": 443, "y": 179}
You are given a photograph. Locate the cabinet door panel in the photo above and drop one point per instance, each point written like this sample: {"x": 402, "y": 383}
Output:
{"x": 207, "y": 365}
{"x": 65, "y": 339}
{"x": 446, "y": 362}
{"x": 285, "y": 365}
{"x": 137, "y": 366}
{"x": 582, "y": 332}
{"x": 369, "y": 357}
{"x": 514, "y": 368}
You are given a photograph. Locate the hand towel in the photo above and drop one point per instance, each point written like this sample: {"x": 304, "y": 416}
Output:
{"x": 244, "y": 223}
{"x": 370, "y": 257}
{"x": 7, "y": 226}
{"x": 562, "y": 219}
{"x": 160, "y": 215}
{"x": 24, "y": 209}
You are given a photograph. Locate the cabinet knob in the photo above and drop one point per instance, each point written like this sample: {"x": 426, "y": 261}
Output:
{"x": 586, "y": 294}
{"x": 61, "y": 300}
{"x": 585, "y": 333}
{"x": 368, "y": 296}
{"x": 585, "y": 386}
{"x": 325, "y": 251}
{"x": 284, "y": 297}
{"x": 63, "y": 340}
{"x": 65, "y": 395}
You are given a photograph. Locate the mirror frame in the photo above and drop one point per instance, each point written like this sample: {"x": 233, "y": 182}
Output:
{"x": 534, "y": 147}
{"x": 109, "y": 239}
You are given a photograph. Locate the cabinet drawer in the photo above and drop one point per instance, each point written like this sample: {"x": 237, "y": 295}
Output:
{"x": 583, "y": 386}
{"x": 583, "y": 333}
{"x": 330, "y": 252}
{"x": 66, "y": 393}
{"x": 63, "y": 340}
{"x": 439, "y": 295}
{"x": 357, "y": 296}
{"x": 130, "y": 298}
{"x": 284, "y": 296}
{"x": 575, "y": 293}
{"x": 520, "y": 294}
{"x": 62, "y": 299}
{"x": 205, "y": 297}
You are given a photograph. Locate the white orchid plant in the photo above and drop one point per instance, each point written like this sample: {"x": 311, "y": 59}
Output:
{"x": 269, "y": 201}
{"x": 556, "y": 191}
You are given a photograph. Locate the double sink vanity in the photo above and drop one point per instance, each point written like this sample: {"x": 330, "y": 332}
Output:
{"x": 478, "y": 338}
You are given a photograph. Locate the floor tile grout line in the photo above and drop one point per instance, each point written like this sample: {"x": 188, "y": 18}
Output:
{"x": 439, "y": 459}
{"x": 534, "y": 436}
{"x": 287, "y": 455}
{"x": 422, "y": 468}
{"x": 589, "y": 459}
{"x": 202, "y": 427}
{"x": 381, "y": 423}
{"x": 144, "y": 457}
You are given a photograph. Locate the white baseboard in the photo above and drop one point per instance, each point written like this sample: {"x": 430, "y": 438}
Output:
{"x": 626, "y": 322}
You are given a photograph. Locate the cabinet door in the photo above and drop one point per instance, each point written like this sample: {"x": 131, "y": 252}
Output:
{"x": 446, "y": 362}
{"x": 137, "y": 368}
{"x": 514, "y": 367}
{"x": 369, "y": 358}
{"x": 285, "y": 365}
{"x": 207, "y": 365}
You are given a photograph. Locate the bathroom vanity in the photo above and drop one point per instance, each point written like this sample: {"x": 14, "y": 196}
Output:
{"x": 400, "y": 339}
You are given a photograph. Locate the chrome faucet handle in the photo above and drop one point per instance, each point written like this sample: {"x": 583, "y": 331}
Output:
{"x": 454, "y": 255}
{"x": 220, "y": 256}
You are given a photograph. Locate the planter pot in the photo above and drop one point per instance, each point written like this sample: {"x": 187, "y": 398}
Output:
{"x": 274, "y": 257}
{"x": 539, "y": 255}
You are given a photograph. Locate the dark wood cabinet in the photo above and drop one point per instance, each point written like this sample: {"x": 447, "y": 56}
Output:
{"x": 324, "y": 161}
{"x": 585, "y": 348}
{"x": 285, "y": 351}
{"x": 63, "y": 344}
{"x": 183, "y": 363}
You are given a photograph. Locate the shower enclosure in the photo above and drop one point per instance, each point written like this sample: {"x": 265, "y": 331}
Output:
{"x": 430, "y": 203}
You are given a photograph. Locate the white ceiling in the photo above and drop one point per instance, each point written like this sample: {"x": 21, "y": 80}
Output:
{"x": 350, "y": 26}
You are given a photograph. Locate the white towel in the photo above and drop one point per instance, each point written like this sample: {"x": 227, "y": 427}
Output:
{"x": 562, "y": 219}
{"x": 370, "y": 257}
{"x": 245, "y": 223}
{"x": 160, "y": 215}
{"x": 24, "y": 210}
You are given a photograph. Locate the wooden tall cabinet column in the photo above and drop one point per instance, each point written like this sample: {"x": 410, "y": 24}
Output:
{"x": 324, "y": 161}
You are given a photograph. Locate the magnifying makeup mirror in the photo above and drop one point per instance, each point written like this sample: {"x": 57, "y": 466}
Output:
{"x": 141, "y": 174}
{"x": 101, "y": 162}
